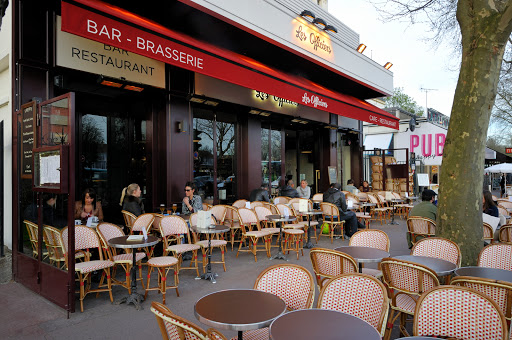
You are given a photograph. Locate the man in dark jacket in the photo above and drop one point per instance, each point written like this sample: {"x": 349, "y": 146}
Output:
{"x": 288, "y": 190}
{"x": 335, "y": 196}
{"x": 260, "y": 194}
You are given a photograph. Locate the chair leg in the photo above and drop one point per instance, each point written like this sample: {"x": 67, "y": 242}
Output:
{"x": 150, "y": 270}
{"x": 223, "y": 249}
{"x": 109, "y": 284}
{"x": 82, "y": 292}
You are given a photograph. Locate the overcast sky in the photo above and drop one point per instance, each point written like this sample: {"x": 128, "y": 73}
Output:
{"x": 416, "y": 64}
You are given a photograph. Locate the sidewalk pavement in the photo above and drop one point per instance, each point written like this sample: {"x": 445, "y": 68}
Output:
{"x": 26, "y": 315}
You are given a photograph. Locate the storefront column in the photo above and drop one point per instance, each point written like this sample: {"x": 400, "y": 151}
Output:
{"x": 250, "y": 155}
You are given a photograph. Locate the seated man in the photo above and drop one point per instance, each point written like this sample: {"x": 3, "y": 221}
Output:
{"x": 288, "y": 190}
{"x": 425, "y": 208}
{"x": 335, "y": 196}
{"x": 350, "y": 187}
{"x": 260, "y": 194}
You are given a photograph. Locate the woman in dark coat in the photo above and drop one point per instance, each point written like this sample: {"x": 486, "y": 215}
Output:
{"x": 130, "y": 199}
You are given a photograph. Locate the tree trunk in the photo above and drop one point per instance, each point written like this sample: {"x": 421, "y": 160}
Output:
{"x": 485, "y": 30}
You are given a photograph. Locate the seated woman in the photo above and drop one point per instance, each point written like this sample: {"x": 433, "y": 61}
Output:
{"x": 365, "y": 187}
{"x": 191, "y": 203}
{"x": 88, "y": 206}
{"x": 488, "y": 205}
{"x": 130, "y": 199}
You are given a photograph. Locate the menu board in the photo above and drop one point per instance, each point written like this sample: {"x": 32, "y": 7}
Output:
{"x": 28, "y": 135}
{"x": 333, "y": 178}
{"x": 50, "y": 169}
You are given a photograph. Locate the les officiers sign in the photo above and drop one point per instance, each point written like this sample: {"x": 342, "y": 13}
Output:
{"x": 90, "y": 56}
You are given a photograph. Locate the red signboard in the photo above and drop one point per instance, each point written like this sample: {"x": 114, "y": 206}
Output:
{"x": 159, "y": 43}
{"x": 508, "y": 150}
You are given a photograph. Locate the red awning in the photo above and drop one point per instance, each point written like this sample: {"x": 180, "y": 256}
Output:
{"x": 111, "y": 25}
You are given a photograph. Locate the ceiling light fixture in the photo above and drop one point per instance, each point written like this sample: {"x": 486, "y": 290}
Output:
{"x": 320, "y": 22}
{"x": 361, "y": 48}
{"x": 388, "y": 65}
{"x": 133, "y": 88}
{"x": 307, "y": 14}
{"x": 330, "y": 28}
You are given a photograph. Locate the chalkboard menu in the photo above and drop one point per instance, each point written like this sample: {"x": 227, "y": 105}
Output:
{"x": 28, "y": 137}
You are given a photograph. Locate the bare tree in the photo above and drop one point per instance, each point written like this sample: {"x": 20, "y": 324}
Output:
{"x": 485, "y": 27}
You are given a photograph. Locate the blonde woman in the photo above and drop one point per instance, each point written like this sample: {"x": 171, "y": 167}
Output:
{"x": 130, "y": 199}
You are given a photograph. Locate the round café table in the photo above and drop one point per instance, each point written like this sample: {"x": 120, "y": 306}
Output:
{"x": 279, "y": 219}
{"x": 212, "y": 229}
{"x": 122, "y": 242}
{"x": 363, "y": 254}
{"x": 306, "y": 324}
{"x": 441, "y": 267}
{"x": 310, "y": 213}
{"x": 486, "y": 273}
{"x": 239, "y": 309}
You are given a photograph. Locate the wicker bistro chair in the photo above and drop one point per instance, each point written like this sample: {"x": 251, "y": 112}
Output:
{"x": 231, "y": 220}
{"x": 318, "y": 197}
{"x": 304, "y": 221}
{"x": 328, "y": 263}
{"x": 497, "y": 255}
{"x": 359, "y": 295}
{"x": 506, "y": 204}
{"x": 248, "y": 220}
{"x": 32, "y": 236}
{"x": 406, "y": 281}
{"x": 373, "y": 239}
{"x": 458, "y": 312}
{"x": 239, "y": 203}
{"x": 207, "y": 206}
{"x": 420, "y": 226}
{"x": 144, "y": 221}
{"x": 498, "y": 291}
{"x": 213, "y": 334}
{"x": 271, "y": 207}
{"x": 107, "y": 231}
{"x": 55, "y": 247}
{"x": 86, "y": 238}
{"x": 331, "y": 216}
{"x": 281, "y": 199}
{"x": 215, "y": 243}
{"x": 174, "y": 327}
{"x": 378, "y": 213}
{"x": 439, "y": 248}
{"x": 129, "y": 218}
{"x": 292, "y": 283}
{"x": 257, "y": 204}
{"x": 163, "y": 264}
{"x": 174, "y": 229}
{"x": 506, "y": 233}
{"x": 488, "y": 233}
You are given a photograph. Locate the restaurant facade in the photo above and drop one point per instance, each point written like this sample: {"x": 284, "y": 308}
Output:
{"x": 228, "y": 94}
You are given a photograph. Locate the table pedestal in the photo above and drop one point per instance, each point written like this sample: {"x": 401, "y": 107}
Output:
{"x": 279, "y": 255}
{"x": 393, "y": 214}
{"x": 309, "y": 244}
{"x": 134, "y": 297}
{"x": 209, "y": 275}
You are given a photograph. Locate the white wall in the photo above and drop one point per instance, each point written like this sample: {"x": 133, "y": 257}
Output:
{"x": 6, "y": 117}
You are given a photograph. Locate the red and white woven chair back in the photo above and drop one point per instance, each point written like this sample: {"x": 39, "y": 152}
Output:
{"x": 292, "y": 283}
{"x": 85, "y": 238}
{"x": 214, "y": 334}
{"x": 193, "y": 220}
{"x": 420, "y": 225}
{"x": 458, "y": 312}
{"x": 331, "y": 263}
{"x": 109, "y": 230}
{"x": 219, "y": 211}
{"x": 506, "y": 233}
{"x": 175, "y": 326}
{"x": 247, "y": 216}
{"x": 505, "y": 204}
{"x": 496, "y": 256}
{"x": 318, "y": 197}
{"x": 439, "y": 248}
{"x": 503, "y": 211}
{"x": 262, "y": 213}
{"x": 283, "y": 208}
{"x": 497, "y": 291}
{"x": 281, "y": 200}
{"x": 239, "y": 203}
{"x": 408, "y": 277}
{"x": 358, "y": 295}
{"x": 329, "y": 209}
{"x": 173, "y": 225}
{"x": 256, "y": 204}
{"x": 488, "y": 232}
{"x": 129, "y": 218}
{"x": 370, "y": 238}
{"x": 144, "y": 221}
